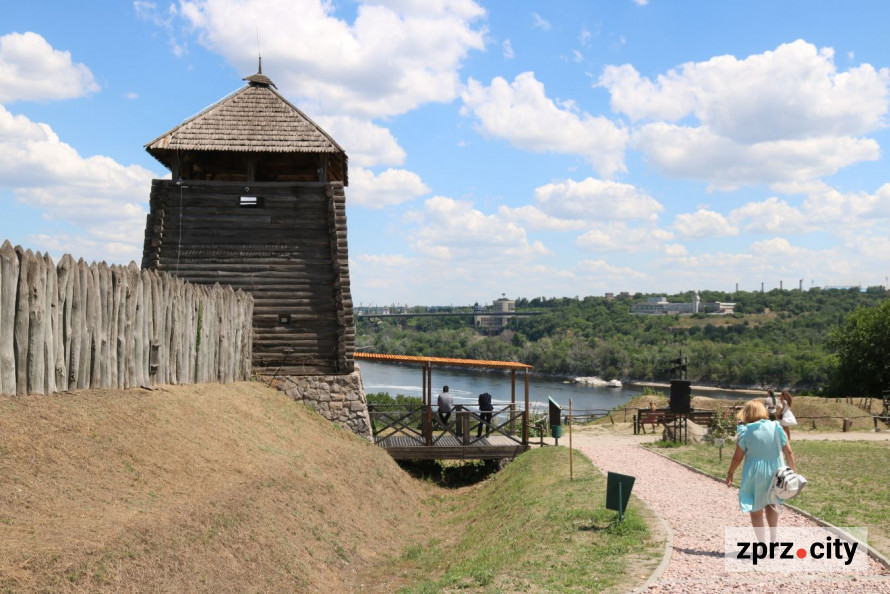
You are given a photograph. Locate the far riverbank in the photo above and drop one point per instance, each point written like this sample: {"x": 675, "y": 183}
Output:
{"x": 695, "y": 388}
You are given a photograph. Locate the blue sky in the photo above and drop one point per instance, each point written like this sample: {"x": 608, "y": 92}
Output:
{"x": 519, "y": 148}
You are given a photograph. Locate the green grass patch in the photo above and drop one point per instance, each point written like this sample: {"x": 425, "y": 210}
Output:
{"x": 849, "y": 481}
{"x": 530, "y": 528}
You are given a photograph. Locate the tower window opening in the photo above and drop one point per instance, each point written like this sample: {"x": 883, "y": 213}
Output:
{"x": 250, "y": 202}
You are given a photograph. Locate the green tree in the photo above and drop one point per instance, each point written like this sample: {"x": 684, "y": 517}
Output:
{"x": 862, "y": 346}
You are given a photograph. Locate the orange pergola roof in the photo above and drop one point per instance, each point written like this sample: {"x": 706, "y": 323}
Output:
{"x": 443, "y": 361}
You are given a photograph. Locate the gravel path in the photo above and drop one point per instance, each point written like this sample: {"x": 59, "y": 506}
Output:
{"x": 698, "y": 508}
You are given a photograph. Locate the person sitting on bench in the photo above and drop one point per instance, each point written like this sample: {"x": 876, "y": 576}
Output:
{"x": 651, "y": 418}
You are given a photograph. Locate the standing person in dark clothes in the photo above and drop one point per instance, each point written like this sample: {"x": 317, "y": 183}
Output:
{"x": 446, "y": 403}
{"x": 485, "y": 409}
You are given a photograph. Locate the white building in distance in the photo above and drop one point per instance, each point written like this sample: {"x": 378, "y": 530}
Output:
{"x": 661, "y": 306}
{"x": 501, "y": 306}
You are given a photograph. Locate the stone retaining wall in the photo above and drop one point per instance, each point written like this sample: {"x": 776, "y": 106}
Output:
{"x": 338, "y": 398}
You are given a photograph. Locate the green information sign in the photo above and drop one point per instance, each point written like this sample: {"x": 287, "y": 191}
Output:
{"x": 618, "y": 487}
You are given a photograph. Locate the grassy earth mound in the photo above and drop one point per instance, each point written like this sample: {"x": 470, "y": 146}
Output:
{"x": 237, "y": 488}
{"x": 212, "y": 487}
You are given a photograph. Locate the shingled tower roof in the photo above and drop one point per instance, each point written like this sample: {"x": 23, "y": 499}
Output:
{"x": 256, "y": 118}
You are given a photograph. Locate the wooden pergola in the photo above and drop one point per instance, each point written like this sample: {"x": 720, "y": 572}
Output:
{"x": 395, "y": 429}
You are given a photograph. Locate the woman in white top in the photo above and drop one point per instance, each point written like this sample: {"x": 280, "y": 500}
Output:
{"x": 779, "y": 409}
{"x": 786, "y": 418}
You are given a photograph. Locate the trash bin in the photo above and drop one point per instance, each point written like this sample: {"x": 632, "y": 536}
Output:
{"x": 556, "y": 431}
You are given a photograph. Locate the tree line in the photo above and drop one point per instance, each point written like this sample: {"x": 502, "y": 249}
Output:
{"x": 778, "y": 338}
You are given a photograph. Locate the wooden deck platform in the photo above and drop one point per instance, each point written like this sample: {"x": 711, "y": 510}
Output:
{"x": 416, "y": 432}
{"x": 494, "y": 447}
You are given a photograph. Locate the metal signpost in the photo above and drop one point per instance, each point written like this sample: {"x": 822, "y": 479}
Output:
{"x": 618, "y": 488}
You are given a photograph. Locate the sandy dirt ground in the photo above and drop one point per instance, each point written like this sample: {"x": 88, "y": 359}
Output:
{"x": 698, "y": 509}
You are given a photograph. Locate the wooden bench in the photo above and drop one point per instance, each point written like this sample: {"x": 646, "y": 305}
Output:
{"x": 701, "y": 417}
{"x": 665, "y": 416}
{"x": 659, "y": 416}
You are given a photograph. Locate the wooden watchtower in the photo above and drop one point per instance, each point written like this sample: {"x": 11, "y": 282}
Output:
{"x": 257, "y": 201}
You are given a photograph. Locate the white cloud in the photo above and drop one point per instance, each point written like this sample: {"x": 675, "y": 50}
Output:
{"x": 536, "y": 219}
{"x": 607, "y": 275}
{"x": 460, "y": 254}
{"x": 539, "y": 22}
{"x": 96, "y": 194}
{"x": 434, "y": 8}
{"x": 30, "y": 69}
{"x": 639, "y": 98}
{"x": 641, "y": 2}
{"x": 777, "y": 247}
{"x": 509, "y": 54}
{"x": 391, "y": 187}
{"x": 596, "y": 200}
{"x": 824, "y": 209}
{"x": 828, "y": 207}
{"x": 395, "y": 56}
{"x": 703, "y": 223}
{"x": 476, "y": 279}
{"x": 860, "y": 260}
{"x": 675, "y": 250}
{"x": 871, "y": 252}
{"x": 152, "y": 12}
{"x": 91, "y": 250}
{"x": 522, "y": 114}
{"x": 697, "y": 153}
{"x": 741, "y": 100}
{"x": 770, "y": 216}
{"x": 454, "y": 230}
{"x": 618, "y": 237}
{"x": 366, "y": 143}
{"x": 752, "y": 128}
{"x": 390, "y": 274}
{"x": 165, "y": 18}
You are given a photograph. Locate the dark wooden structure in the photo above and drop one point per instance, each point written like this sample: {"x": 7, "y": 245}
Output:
{"x": 257, "y": 202}
{"x": 417, "y": 433}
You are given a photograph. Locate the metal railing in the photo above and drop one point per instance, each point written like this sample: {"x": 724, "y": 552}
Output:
{"x": 423, "y": 425}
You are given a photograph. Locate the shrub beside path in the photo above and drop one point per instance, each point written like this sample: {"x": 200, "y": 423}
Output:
{"x": 698, "y": 508}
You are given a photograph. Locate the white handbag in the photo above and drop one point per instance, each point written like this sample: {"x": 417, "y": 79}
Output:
{"x": 785, "y": 483}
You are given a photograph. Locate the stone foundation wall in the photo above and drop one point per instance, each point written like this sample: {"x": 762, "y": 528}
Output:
{"x": 338, "y": 398}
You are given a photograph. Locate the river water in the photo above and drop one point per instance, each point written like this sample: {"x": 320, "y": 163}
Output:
{"x": 467, "y": 384}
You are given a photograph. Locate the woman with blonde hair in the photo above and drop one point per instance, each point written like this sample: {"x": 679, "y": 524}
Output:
{"x": 758, "y": 441}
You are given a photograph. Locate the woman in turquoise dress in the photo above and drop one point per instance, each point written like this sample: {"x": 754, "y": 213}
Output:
{"x": 757, "y": 444}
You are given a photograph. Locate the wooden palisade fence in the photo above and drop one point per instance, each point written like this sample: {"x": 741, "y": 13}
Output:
{"x": 76, "y": 326}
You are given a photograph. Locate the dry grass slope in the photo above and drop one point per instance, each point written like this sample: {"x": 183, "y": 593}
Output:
{"x": 210, "y": 487}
